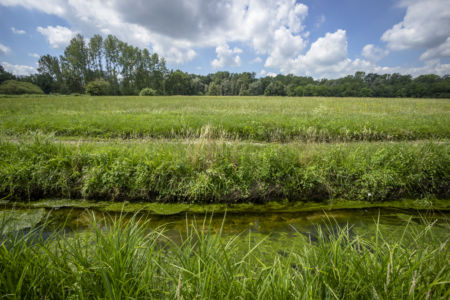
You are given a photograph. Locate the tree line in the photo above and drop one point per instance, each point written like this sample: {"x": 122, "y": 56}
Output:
{"x": 126, "y": 70}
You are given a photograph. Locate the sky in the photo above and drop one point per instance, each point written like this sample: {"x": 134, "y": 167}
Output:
{"x": 318, "y": 38}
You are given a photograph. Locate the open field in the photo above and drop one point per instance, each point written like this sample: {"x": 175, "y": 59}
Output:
{"x": 263, "y": 119}
{"x": 223, "y": 149}
{"x": 177, "y": 154}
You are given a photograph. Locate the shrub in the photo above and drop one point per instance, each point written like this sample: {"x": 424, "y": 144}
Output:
{"x": 18, "y": 87}
{"x": 97, "y": 87}
{"x": 148, "y": 92}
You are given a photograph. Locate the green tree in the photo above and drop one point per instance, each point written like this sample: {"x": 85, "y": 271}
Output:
{"x": 275, "y": 88}
{"x": 98, "y": 87}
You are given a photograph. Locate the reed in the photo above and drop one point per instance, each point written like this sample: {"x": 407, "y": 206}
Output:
{"x": 221, "y": 172}
{"x": 126, "y": 259}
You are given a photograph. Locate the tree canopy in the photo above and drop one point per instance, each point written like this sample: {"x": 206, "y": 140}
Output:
{"x": 128, "y": 69}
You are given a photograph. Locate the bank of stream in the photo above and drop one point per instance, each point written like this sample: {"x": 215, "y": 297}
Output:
{"x": 56, "y": 249}
{"x": 272, "y": 220}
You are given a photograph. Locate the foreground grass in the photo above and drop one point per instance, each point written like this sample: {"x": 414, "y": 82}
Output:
{"x": 211, "y": 172}
{"x": 124, "y": 259}
{"x": 271, "y": 119}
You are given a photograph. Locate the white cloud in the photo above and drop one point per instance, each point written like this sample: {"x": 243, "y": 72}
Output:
{"x": 256, "y": 60}
{"x": 425, "y": 25}
{"x": 55, "y": 7}
{"x": 373, "y": 53}
{"x": 443, "y": 50}
{"x": 274, "y": 29}
{"x": 175, "y": 28}
{"x": 35, "y": 55}
{"x": 263, "y": 73}
{"x": 226, "y": 57}
{"x": 18, "y": 69}
{"x": 285, "y": 47}
{"x": 328, "y": 50}
{"x": 17, "y": 31}
{"x": 327, "y": 57}
{"x": 58, "y": 36}
{"x": 4, "y": 50}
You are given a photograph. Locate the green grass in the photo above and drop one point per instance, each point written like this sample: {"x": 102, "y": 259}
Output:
{"x": 211, "y": 172}
{"x": 272, "y": 119}
{"x": 126, "y": 260}
{"x": 223, "y": 149}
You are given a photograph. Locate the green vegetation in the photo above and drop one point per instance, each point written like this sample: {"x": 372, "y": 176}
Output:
{"x": 98, "y": 87}
{"x": 13, "y": 87}
{"x": 265, "y": 119}
{"x": 148, "y": 92}
{"x": 222, "y": 150}
{"x": 210, "y": 172}
{"x": 126, "y": 260}
{"x": 129, "y": 69}
{"x": 272, "y": 207}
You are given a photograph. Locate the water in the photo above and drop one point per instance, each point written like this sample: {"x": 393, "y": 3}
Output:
{"x": 271, "y": 225}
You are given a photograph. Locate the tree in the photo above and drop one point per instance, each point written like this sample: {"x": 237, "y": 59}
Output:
{"x": 75, "y": 64}
{"x": 98, "y": 87}
{"x": 275, "y": 88}
{"x": 96, "y": 55}
{"x": 4, "y": 75}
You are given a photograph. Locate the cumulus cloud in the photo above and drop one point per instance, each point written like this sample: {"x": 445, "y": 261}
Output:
{"x": 55, "y": 7}
{"x": 285, "y": 46}
{"x": 4, "y": 50}
{"x": 373, "y": 53}
{"x": 19, "y": 70}
{"x": 443, "y": 50}
{"x": 17, "y": 31}
{"x": 35, "y": 55}
{"x": 327, "y": 55}
{"x": 273, "y": 29}
{"x": 58, "y": 36}
{"x": 425, "y": 25}
{"x": 226, "y": 57}
{"x": 175, "y": 28}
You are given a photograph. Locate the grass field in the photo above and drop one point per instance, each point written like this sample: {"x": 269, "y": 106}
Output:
{"x": 207, "y": 150}
{"x": 263, "y": 119}
{"x": 223, "y": 149}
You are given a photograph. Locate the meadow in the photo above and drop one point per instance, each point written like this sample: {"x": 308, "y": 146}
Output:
{"x": 223, "y": 149}
{"x": 206, "y": 153}
{"x": 260, "y": 119}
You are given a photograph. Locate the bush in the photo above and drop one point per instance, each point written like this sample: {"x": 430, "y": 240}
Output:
{"x": 147, "y": 92}
{"x": 97, "y": 87}
{"x": 14, "y": 87}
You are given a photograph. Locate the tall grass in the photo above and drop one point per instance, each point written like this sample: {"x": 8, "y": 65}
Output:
{"x": 221, "y": 172}
{"x": 127, "y": 260}
{"x": 273, "y": 119}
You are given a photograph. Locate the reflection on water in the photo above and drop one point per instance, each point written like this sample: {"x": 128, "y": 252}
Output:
{"x": 274, "y": 226}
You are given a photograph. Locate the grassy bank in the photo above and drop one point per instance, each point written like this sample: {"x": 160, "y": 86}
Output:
{"x": 273, "y": 119}
{"x": 212, "y": 172}
{"x": 126, "y": 260}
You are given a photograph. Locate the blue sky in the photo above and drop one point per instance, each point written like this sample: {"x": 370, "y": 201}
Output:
{"x": 316, "y": 38}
